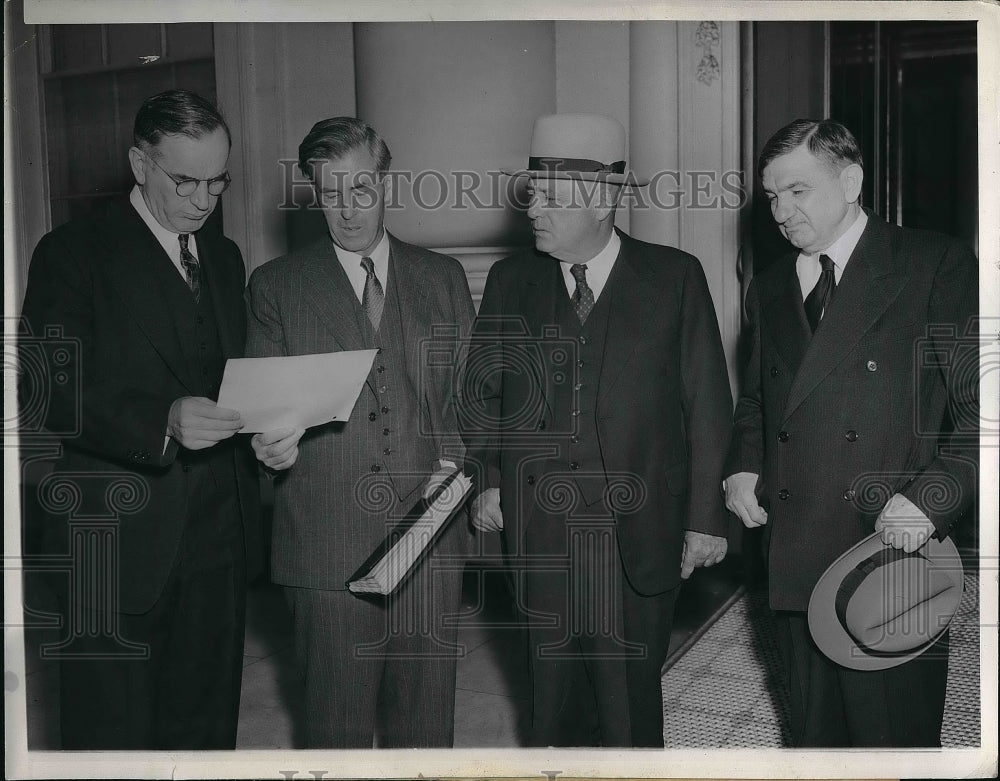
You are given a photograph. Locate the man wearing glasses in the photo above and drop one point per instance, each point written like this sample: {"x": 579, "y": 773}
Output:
{"x": 150, "y": 302}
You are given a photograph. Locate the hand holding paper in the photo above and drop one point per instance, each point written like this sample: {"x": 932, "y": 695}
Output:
{"x": 296, "y": 391}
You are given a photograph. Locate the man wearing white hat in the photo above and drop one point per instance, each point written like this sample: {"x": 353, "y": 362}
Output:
{"x": 863, "y": 380}
{"x": 597, "y": 405}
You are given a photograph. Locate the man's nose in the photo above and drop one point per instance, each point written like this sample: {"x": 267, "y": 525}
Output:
{"x": 201, "y": 198}
{"x": 781, "y": 210}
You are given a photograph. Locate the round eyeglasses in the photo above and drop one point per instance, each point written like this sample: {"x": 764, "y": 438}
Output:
{"x": 186, "y": 186}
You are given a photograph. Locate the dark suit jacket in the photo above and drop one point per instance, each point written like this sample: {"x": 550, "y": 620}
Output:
{"x": 303, "y": 303}
{"x": 663, "y": 399}
{"x": 836, "y": 422}
{"x": 99, "y": 281}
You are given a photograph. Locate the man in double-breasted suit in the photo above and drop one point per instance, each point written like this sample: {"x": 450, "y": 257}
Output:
{"x": 596, "y": 401}
{"x": 371, "y": 666}
{"x": 858, "y": 408}
{"x": 153, "y": 500}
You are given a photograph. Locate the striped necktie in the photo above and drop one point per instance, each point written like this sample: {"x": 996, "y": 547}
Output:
{"x": 191, "y": 266}
{"x": 373, "y": 298}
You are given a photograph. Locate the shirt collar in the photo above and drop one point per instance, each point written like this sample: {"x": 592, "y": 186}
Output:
{"x": 379, "y": 255}
{"x": 167, "y": 238}
{"x": 603, "y": 260}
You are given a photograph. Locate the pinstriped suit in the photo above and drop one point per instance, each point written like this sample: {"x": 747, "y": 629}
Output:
{"x": 353, "y": 481}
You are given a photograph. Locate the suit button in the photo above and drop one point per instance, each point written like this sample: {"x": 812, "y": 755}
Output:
{"x": 574, "y": 439}
{"x": 385, "y": 432}
{"x": 574, "y": 465}
{"x": 578, "y": 386}
{"x": 387, "y": 451}
{"x": 871, "y": 366}
{"x": 541, "y": 425}
{"x": 376, "y": 468}
{"x": 575, "y": 412}
{"x": 783, "y": 494}
{"x": 378, "y": 351}
{"x": 372, "y": 416}
{"x": 580, "y": 364}
{"x": 531, "y": 480}
{"x": 380, "y": 369}
{"x": 200, "y": 320}
{"x": 583, "y": 340}
{"x": 849, "y": 494}
{"x": 851, "y": 436}
{"x": 385, "y": 410}
{"x": 383, "y": 389}
{"x": 774, "y": 371}
{"x": 782, "y": 436}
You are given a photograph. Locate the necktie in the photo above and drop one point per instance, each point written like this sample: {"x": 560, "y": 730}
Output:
{"x": 373, "y": 298}
{"x": 191, "y": 266}
{"x": 819, "y": 298}
{"x": 583, "y": 296}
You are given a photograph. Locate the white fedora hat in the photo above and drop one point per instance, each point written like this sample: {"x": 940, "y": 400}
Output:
{"x": 589, "y": 147}
{"x": 876, "y": 607}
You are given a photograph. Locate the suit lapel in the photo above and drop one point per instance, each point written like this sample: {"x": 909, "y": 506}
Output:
{"x": 141, "y": 271}
{"x": 871, "y": 282}
{"x": 225, "y": 308}
{"x": 328, "y": 291}
{"x": 632, "y": 307}
{"x": 537, "y": 294}
{"x": 785, "y": 315}
{"x": 417, "y": 315}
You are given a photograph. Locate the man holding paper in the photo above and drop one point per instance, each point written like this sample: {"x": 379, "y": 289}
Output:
{"x": 143, "y": 300}
{"x": 372, "y": 666}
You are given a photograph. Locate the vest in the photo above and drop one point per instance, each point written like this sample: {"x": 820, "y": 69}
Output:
{"x": 574, "y": 398}
{"x": 395, "y": 441}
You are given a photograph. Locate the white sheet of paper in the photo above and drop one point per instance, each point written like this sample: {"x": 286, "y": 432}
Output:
{"x": 295, "y": 390}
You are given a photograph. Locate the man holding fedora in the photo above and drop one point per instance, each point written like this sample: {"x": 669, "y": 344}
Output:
{"x": 596, "y": 408}
{"x": 861, "y": 384}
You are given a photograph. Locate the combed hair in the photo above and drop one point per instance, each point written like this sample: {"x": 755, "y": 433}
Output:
{"x": 331, "y": 139}
{"x": 826, "y": 139}
{"x": 176, "y": 112}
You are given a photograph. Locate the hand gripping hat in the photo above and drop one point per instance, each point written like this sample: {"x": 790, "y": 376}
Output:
{"x": 588, "y": 147}
{"x": 876, "y": 607}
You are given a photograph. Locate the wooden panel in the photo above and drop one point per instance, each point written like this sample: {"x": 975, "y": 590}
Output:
{"x": 76, "y": 46}
{"x": 128, "y": 44}
{"x": 189, "y": 41}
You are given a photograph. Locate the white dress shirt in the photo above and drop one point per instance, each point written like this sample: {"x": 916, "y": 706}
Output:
{"x": 167, "y": 238}
{"x": 808, "y": 267}
{"x": 598, "y": 268}
{"x": 351, "y": 261}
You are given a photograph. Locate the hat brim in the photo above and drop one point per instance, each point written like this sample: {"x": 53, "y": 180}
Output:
{"x": 627, "y": 179}
{"x": 829, "y": 634}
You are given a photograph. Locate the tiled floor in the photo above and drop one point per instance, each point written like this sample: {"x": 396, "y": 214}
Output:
{"x": 722, "y": 687}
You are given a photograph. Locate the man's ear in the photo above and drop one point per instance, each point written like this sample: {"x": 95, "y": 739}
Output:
{"x": 851, "y": 179}
{"x": 606, "y": 201}
{"x": 137, "y": 162}
{"x": 386, "y": 187}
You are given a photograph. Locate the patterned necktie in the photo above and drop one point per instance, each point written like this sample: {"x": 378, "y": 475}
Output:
{"x": 373, "y": 298}
{"x": 819, "y": 298}
{"x": 191, "y": 266}
{"x": 583, "y": 296}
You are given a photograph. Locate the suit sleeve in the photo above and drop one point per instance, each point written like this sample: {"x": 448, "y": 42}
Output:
{"x": 111, "y": 415}
{"x": 265, "y": 329}
{"x": 945, "y": 489}
{"x": 482, "y": 390}
{"x": 746, "y": 446}
{"x": 462, "y": 315}
{"x": 707, "y": 401}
